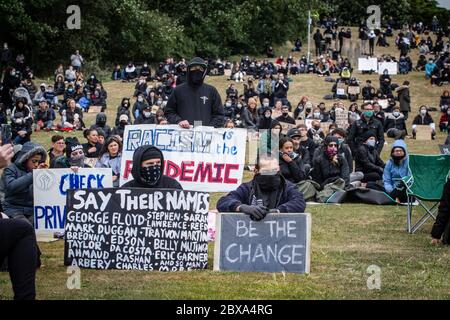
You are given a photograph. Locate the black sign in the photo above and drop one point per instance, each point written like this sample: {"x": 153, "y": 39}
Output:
{"x": 137, "y": 229}
{"x": 279, "y": 243}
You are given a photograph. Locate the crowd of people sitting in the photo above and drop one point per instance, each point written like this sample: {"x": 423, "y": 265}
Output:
{"x": 319, "y": 150}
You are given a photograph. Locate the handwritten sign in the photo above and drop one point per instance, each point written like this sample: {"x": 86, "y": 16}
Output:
{"x": 201, "y": 159}
{"x": 95, "y": 109}
{"x": 137, "y": 229}
{"x": 286, "y": 126}
{"x": 353, "y": 90}
{"x": 50, "y": 187}
{"x": 423, "y": 132}
{"x": 368, "y": 64}
{"x": 341, "y": 118}
{"x": 279, "y": 243}
{"x": 392, "y": 67}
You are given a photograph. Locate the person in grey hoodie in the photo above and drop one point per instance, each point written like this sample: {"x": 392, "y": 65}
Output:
{"x": 17, "y": 181}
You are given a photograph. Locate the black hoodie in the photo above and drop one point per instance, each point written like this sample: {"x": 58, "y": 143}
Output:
{"x": 164, "y": 182}
{"x": 195, "y": 103}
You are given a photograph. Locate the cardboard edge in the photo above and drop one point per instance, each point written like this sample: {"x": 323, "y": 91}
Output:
{"x": 308, "y": 243}
{"x": 216, "y": 266}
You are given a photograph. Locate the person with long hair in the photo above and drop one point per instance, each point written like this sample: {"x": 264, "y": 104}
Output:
{"x": 111, "y": 157}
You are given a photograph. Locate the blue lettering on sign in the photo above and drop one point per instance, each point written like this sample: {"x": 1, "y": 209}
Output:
{"x": 50, "y": 217}
{"x": 80, "y": 181}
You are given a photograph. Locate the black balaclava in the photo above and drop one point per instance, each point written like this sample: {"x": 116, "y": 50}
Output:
{"x": 196, "y": 78}
{"x": 152, "y": 174}
{"x": 101, "y": 119}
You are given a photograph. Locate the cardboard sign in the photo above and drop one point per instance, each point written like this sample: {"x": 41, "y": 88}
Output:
{"x": 299, "y": 122}
{"x": 341, "y": 88}
{"x": 279, "y": 243}
{"x": 384, "y": 103}
{"x": 392, "y": 67}
{"x": 341, "y": 118}
{"x": 91, "y": 162}
{"x": 137, "y": 229}
{"x": 444, "y": 148}
{"x": 286, "y": 126}
{"x": 201, "y": 158}
{"x": 50, "y": 187}
{"x": 423, "y": 132}
{"x": 252, "y": 148}
{"x": 325, "y": 126}
{"x": 368, "y": 64}
{"x": 353, "y": 90}
{"x": 95, "y": 109}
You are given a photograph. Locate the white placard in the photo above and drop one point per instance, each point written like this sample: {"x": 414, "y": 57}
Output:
{"x": 392, "y": 67}
{"x": 368, "y": 64}
{"x": 201, "y": 158}
{"x": 50, "y": 189}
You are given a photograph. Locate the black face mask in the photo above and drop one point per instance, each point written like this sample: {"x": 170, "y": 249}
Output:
{"x": 151, "y": 175}
{"x": 268, "y": 182}
{"x": 397, "y": 159}
{"x": 196, "y": 77}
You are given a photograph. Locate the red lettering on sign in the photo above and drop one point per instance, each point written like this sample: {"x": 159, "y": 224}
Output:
{"x": 128, "y": 167}
{"x": 227, "y": 178}
{"x": 172, "y": 169}
{"x": 185, "y": 171}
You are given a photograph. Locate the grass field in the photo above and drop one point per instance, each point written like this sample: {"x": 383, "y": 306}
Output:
{"x": 346, "y": 239}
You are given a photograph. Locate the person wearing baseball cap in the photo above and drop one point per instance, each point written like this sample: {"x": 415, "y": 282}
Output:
{"x": 195, "y": 101}
{"x": 120, "y": 128}
{"x": 146, "y": 116}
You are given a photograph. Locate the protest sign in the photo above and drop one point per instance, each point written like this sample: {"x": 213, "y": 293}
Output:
{"x": 444, "y": 148}
{"x": 325, "y": 126}
{"x": 423, "y": 132}
{"x": 286, "y": 126}
{"x": 279, "y": 243}
{"x": 299, "y": 122}
{"x": 341, "y": 88}
{"x": 91, "y": 162}
{"x": 95, "y": 109}
{"x": 368, "y": 64}
{"x": 341, "y": 117}
{"x": 201, "y": 158}
{"x": 353, "y": 90}
{"x": 383, "y": 103}
{"x": 391, "y": 67}
{"x": 252, "y": 148}
{"x": 137, "y": 229}
{"x": 50, "y": 188}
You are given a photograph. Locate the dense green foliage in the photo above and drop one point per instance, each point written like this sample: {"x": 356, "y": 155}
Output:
{"x": 402, "y": 11}
{"x": 121, "y": 30}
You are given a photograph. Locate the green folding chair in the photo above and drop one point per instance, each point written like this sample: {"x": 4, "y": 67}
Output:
{"x": 428, "y": 176}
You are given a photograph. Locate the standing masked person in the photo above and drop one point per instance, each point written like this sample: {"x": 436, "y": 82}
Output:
{"x": 148, "y": 168}
{"x": 268, "y": 192}
{"x": 194, "y": 100}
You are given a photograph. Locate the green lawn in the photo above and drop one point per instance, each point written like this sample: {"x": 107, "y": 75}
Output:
{"x": 346, "y": 240}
